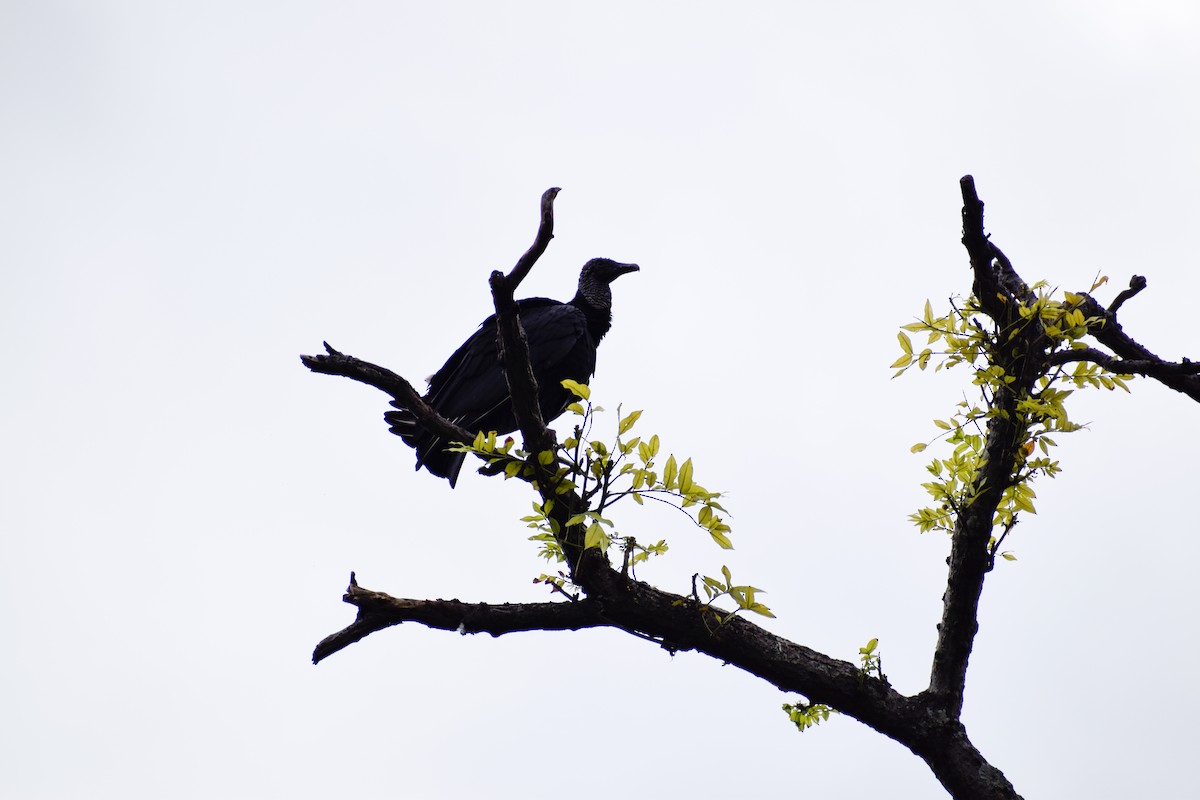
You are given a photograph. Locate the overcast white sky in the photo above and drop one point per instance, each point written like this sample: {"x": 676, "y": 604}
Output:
{"x": 193, "y": 193}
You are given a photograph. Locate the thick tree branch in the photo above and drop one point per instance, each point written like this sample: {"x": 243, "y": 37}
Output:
{"x": 995, "y": 280}
{"x": 927, "y": 723}
{"x": 678, "y": 624}
{"x": 1019, "y": 355}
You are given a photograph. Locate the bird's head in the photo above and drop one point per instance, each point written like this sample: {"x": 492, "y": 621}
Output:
{"x": 598, "y": 273}
{"x": 595, "y": 296}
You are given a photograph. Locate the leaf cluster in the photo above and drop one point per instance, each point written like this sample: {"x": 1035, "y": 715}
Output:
{"x": 968, "y": 336}
{"x": 806, "y": 715}
{"x": 744, "y": 596}
{"x": 870, "y": 661}
{"x": 602, "y": 474}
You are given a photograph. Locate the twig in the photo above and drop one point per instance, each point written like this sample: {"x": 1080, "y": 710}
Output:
{"x": 1151, "y": 368}
{"x": 1110, "y": 334}
{"x": 386, "y": 381}
{"x": 1136, "y": 284}
{"x": 377, "y": 611}
{"x": 540, "y": 242}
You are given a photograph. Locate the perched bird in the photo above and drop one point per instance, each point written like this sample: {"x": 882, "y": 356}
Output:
{"x": 471, "y": 390}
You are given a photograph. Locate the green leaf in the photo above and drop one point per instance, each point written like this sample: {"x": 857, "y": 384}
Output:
{"x": 685, "y": 477}
{"x": 596, "y": 537}
{"x": 759, "y": 608}
{"x": 628, "y": 422}
{"x": 576, "y": 388}
{"x": 905, "y": 342}
{"x": 669, "y": 472}
{"x": 717, "y": 532}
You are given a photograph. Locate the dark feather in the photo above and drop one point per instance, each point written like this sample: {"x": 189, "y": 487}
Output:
{"x": 471, "y": 390}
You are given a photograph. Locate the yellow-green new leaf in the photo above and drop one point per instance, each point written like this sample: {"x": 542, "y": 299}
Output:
{"x": 685, "y": 477}
{"x": 759, "y": 608}
{"x": 669, "y": 472}
{"x": 596, "y": 537}
{"x": 717, "y": 532}
{"x": 576, "y": 388}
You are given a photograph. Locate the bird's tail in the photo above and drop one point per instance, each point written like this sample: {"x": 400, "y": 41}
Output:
{"x": 431, "y": 448}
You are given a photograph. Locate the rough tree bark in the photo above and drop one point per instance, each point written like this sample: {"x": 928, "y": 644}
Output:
{"x": 927, "y": 723}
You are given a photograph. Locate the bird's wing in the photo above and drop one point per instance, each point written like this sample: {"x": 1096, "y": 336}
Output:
{"x": 471, "y": 385}
{"x": 471, "y": 390}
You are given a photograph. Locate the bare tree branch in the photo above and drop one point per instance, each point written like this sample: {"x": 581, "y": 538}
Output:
{"x": 377, "y": 611}
{"x": 386, "y": 381}
{"x": 1136, "y": 284}
{"x": 979, "y": 249}
{"x": 680, "y": 624}
{"x": 1110, "y": 334}
{"x": 1151, "y": 369}
{"x": 514, "y": 347}
{"x": 995, "y": 281}
{"x": 540, "y": 242}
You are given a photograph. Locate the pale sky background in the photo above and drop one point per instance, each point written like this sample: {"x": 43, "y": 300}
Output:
{"x": 194, "y": 193}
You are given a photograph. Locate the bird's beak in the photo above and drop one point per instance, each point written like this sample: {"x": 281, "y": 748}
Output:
{"x": 623, "y": 269}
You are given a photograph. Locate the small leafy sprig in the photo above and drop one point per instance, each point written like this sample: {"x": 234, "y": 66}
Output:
{"x": 970, "y": 338}
{"x": 806, "y": 715}
{"x": 604, "y": 474}
{"x": 870, "y": 662}
{"x": 744, "y": 596}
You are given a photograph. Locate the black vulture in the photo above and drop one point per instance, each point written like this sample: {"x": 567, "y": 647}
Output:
{"x": 471, "y": 390}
